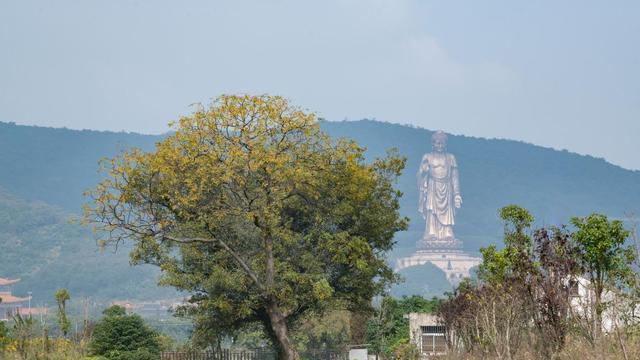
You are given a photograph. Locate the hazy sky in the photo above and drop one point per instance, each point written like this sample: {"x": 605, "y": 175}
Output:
{"x": 564, "y": 74}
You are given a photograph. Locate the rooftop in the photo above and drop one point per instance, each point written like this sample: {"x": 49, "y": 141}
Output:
{"x": 7, "y": 298}
{"x": 6, "y": 282}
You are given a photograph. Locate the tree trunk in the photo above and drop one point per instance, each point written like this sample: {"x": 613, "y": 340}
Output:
{"x": 597, "y": 331}
{"x": 277, "y": 319}
{"x": 279, "y": 327}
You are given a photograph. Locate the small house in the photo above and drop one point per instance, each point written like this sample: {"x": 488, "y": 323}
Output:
{"x": 426, "y": 332}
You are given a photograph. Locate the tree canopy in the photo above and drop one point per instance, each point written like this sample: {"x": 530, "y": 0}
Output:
{"x": 120, "y": 336}
{"x": 388, "y": 329}
{"x": 257, "y": 213}
{"x": 545, "y": 285}
{"x": 62, "y": 296}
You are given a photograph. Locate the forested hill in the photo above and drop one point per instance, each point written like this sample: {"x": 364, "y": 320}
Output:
{"x": 45, "y": 172}
{"x": 39, "y": 245}
{"x": 57, "y": 165}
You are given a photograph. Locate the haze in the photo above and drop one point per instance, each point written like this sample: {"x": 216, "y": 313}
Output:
{"x": 562, "y": 74}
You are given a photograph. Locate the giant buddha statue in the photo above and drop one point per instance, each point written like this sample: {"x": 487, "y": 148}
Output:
{"x": 439, "y": 187}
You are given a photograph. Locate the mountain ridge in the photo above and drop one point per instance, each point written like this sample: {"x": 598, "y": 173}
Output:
{"x": 56, "y": 165}
{"x": 53, "y": 166}
{"x": 475, "y": 137}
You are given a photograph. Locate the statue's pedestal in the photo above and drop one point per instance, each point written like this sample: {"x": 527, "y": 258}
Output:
{"x": 455, "y": 263}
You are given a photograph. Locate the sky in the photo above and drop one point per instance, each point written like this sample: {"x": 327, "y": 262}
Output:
{"x": 562, "y": 74}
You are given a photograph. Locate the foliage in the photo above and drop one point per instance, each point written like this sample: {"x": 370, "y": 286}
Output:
{"x": 388, "y": 329}
{"x": 52, "y": 250}
{"x": 137, "y": 354}
{"x": 554, "y": 266}
{"x": 256, "y": 212}
{"x": 407, "y": 351}
{"x": 4, "y": 337}
{"x": 62, "y": 296}
{"x": 498, "y": 265}
{"x": 530, "y": 278}
{"x": 55, "y": 166}
{"x": 166, "y": 342}
{"x": 524, "y": 294}
{"x": 121, "y": 336}
{"x": 327, "y": 332}
{"x": 22, "y": 332}
{"x": 114, "y": 311}
{"x": 603, "y": 256}
{"x": 602, "y": 248}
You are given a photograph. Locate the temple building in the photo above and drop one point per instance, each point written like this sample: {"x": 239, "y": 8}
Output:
{"x": 9, "y": 304}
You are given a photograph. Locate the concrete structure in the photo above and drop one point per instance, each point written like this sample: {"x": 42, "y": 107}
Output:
{"x": 619, "y": 310}
{"x": 439, "y": 197}
{"x": 455, "y": 264}
{"x": 358, "y": 353}
{"x": 426, "y": 332}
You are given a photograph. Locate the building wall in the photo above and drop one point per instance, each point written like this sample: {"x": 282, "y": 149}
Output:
{"x": 416, "y": 320}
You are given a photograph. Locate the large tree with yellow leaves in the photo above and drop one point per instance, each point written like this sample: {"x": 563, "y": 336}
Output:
{"x": 258, "y": 214}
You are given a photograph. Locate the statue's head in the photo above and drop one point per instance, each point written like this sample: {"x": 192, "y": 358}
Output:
{"x": 439, "y": 141}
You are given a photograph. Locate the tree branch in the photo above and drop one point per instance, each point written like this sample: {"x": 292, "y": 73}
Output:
{"x": 228, "y": 249}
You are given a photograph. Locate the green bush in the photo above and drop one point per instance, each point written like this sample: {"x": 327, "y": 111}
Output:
{"x": 4, "y": 337}
{"x": 139, "y": 354}
{"x": 122, "y": 336}
{"x": 407, "y": 352}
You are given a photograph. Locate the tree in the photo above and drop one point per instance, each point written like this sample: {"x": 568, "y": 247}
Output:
{"x": 526, "y": 283}
{"x": 555, "y": 262}
{"x": 23, "y": 332}
{"x": 603, "y": 256}
{"x": 257, "y": 213}
{"x": 388, "y": 329}
{"x": 329, "y": 333}
{"x": 498, "y": 265}
{"x": 119, "y": 335}
{"x": 62, "y": 296}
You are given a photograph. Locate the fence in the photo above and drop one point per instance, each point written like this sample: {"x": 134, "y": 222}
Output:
{"x": 324, "y": 355}
{"x": 224, "y": 354}
{"x": 227, "y": 354}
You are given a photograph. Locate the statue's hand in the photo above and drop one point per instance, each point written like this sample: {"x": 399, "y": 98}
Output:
{"x": 458, "y": 201}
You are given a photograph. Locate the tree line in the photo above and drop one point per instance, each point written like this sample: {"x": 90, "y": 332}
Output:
{"x": 547, "y": 286}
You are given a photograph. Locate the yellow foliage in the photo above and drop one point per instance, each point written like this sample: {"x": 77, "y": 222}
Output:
{"x": 248, "y": 204}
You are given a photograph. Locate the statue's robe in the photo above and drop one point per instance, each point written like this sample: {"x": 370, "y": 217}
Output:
{"x": 439, "y": 184}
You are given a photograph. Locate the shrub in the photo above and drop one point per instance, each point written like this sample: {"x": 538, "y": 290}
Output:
{"x": 120, "y": 336}
{"x": 139, "y": 354}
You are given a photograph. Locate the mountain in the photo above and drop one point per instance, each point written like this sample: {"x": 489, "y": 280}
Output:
{"x": 55, "y": 166}
{"x": 42, "y": 247}
{"x": 554, "y": 185}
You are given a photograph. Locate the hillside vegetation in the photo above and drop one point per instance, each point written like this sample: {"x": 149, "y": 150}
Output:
{"x": 41, "y": 247}
{"x": 55, "y": 166}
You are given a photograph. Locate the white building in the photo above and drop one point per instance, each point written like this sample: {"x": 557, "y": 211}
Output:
{"x": 426, "y": 332}
{"x": 617, "y": 309}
